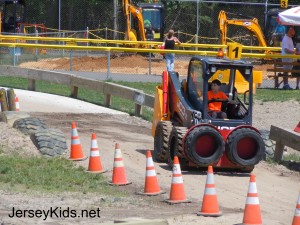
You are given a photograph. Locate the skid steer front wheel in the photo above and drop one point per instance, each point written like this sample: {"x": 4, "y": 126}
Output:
{"x": 245, "y": 147}
{"x": 204, "y": 145}
{"x": 161, "y": 138}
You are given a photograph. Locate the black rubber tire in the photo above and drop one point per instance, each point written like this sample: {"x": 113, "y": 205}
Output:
{"x": 29, "y": 125}
{"x": 233, "y": 151}
{"x": 216, "y": 140}
{"x": 175, "y": 146}
{"x": 161, "y": 138}
{"x": 50, "y": 142}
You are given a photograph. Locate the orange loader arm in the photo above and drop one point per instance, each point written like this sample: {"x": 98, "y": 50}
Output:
{"x": 250, "y": 24}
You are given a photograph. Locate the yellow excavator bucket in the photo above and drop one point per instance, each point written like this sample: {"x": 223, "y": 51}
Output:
{"x": 240, "y": 83}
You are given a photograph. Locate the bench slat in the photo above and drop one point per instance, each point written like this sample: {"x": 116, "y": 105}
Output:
{"x": 276, "y": 63}
{"x": 283, "y": 70}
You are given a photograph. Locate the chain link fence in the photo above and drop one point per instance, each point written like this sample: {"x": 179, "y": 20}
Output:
{"x": 193, "y": 21}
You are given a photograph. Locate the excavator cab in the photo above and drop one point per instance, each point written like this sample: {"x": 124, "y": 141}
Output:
{"x": 12, "y": 15}
{"x": 153, "y": 15}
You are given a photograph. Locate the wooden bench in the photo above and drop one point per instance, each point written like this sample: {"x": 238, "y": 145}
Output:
{"x": 284, "y": 137}
{"x": 279, "y": 72}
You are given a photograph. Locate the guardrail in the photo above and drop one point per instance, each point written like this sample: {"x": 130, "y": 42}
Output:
{"x": 75, "y": 47}
{"x": 108, "y": 89}
{"x": 283, "y": 138}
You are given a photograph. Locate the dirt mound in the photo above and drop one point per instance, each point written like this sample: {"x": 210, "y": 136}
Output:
{"x": 130, "y": 64}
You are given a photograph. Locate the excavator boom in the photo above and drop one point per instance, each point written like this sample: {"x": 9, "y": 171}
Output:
{"x": 248, "y": 23}
{"x": 136, "y": 12}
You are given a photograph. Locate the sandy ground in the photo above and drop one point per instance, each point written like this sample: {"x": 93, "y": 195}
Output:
{"x": 278, "y": 187}
{"x": 119, "y": 64}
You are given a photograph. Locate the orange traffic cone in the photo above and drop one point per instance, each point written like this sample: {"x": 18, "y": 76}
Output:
{"x": 95, "y": 165}
{"x": 252, "y": 208}
{"x": 17, "y": 103}
{"x": 210, "y": 206}
{"x": 151, "y": 183}
{"x": 119, "y": 173}
{"x": 297, "y": 128}
{"x": 296, "y": 220}
{"x": 177, "y": 194}
{"x": 76, "y": 153}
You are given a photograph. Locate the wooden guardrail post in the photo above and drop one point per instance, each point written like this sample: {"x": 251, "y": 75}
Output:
{"x": 74, "y": 91}
{"x": 139, "y": 99}
{"x": 31, "y": 84}
{"x": 107, "y": 102}
{"x": 283, "y": 138}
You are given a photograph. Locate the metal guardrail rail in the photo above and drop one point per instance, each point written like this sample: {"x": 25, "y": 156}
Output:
{"x": 72, "y": 45}
{"x": 108, "y": 89}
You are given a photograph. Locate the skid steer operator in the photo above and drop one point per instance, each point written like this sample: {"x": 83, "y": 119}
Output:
{"x": 215, "y": 100}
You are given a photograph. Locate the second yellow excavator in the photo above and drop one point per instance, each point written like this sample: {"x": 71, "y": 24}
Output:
{"x": 250, "y": 24}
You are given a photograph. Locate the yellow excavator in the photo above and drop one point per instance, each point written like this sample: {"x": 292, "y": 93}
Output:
{"x": 249, "y": 23}
{"x": 144, "y": 21}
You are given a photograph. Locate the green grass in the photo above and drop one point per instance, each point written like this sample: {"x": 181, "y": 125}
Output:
{"x": 291, "y": 157}
{"x": 267, "y": 95}
{"x": 147, "y": 87}
{"x": 50, "y": 174}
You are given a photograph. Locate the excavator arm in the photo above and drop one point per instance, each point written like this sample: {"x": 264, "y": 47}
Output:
{"x": 248, "y": 23}
{"x": 129, "y": 9}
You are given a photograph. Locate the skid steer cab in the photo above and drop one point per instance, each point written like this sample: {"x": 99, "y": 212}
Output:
{"x": 184, "y": 125}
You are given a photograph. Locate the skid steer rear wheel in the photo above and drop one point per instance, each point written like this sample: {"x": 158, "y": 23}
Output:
{"x": 245, "y": 147}
{"x": 204, "y": 145}
{"x": 161, "y": 138}
{"x": 176, "y": 147}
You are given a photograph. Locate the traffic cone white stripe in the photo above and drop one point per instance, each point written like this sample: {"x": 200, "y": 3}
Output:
{"x": 149, "y": 162}
{"x": 252, "y": 201}
{"x": 150, "y": 173}
{"x": 210, "y": 191}
{"x": 17, "y": 106}
{"x": 75, "y": 141}
{"x": 118, "y": 153}
{"x": 74, "y": 133}
{"x": 95, "y": 153}
{"x": 177, "y": 180}
{"x": 176, "y": 169}
{"x": 94, "y": 144}
{"x": 210, "y": 179}
{"x": 252, "y": 188}
{"x": 297, "y": 212}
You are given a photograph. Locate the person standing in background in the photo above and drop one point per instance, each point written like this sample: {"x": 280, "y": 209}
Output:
{"x": 297, "y": 67}
{"x": 169, "y": 43}
{"x": 287, "y": 48}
